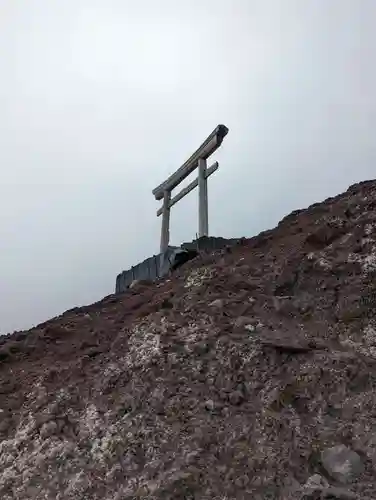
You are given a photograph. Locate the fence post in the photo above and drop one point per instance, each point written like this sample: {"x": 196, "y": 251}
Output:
{"x": 165, "y": 232}
{"x": 203, "y": 223}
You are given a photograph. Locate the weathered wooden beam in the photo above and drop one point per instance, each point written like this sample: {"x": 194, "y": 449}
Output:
{"x": 207, "y": 148}
{"x": 189, "y": 188}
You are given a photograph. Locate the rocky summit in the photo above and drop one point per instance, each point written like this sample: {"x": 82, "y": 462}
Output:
{"x": 250, "y": 373}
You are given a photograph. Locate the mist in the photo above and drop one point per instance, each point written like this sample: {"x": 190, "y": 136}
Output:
{"x": 101, "y": 101}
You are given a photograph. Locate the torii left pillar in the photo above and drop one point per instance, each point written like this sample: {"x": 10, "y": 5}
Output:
{"x": 165, "y": 231}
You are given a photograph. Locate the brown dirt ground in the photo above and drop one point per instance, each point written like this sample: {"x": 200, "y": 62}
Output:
{"x": 225, "y": 381}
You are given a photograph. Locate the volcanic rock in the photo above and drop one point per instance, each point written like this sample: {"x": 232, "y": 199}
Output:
{"x": 230, "y": 380}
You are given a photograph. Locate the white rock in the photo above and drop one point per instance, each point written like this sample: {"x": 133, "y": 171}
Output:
{"x": 316, "y": 482}
{"x": 342, "y": 463}
{"x": 217, "y": 303}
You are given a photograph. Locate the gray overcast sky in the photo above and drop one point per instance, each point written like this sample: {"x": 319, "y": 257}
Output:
{"x": 101, "y": 99}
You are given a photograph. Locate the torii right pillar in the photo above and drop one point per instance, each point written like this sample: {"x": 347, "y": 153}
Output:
{"x": 203, "y": 219}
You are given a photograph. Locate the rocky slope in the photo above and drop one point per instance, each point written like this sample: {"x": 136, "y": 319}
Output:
{"x": 250, "y": 373}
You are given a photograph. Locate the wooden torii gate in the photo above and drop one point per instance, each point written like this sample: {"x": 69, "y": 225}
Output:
{"x": 197, "y": 160}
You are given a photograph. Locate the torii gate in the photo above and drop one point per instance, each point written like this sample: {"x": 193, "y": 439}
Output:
{"x": 198, "y": 159}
